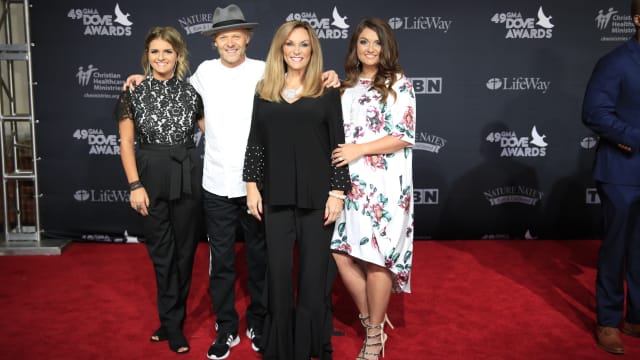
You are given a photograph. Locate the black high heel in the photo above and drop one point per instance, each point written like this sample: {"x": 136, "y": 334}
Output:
{"x": 178, "y": 343}
{"x": 159, "y": 335}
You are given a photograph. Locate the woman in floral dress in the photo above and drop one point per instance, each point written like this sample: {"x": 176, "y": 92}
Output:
{"x": 373, "y": 238}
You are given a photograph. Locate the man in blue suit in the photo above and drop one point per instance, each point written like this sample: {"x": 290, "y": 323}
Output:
{"x": 611, "y": 109}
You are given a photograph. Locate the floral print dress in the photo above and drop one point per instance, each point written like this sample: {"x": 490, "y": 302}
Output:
{"x": 377, "y": 222}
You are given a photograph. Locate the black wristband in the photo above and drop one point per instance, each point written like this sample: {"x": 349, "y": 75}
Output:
{"x": 135, "y": 185}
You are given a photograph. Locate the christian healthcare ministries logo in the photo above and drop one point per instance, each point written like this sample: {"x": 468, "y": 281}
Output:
{"x": 519, "y": 27}
{"x": 420, "y": 23}
{"x": 613, "y": 26}
{"x": 102, "y": 85}
{"x": 96, "y": 24}
{"x": 99, "y": 143}
{"x": 335, "y": 27}
{"x": 514, "y": 146}
{"x": 518, "y": 83}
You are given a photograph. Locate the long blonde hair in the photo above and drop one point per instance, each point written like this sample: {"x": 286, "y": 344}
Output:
{"x": 275, "y": 67}
{"x": 173, "y": 37}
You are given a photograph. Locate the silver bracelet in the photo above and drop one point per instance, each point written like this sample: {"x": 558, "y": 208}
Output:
{"x": 337, "y": 196}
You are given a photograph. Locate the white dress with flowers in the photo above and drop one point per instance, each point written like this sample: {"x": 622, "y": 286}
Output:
{"x": 377, "y": 222}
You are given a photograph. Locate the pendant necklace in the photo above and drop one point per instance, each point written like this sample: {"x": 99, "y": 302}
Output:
{"x": 292, "y": 94}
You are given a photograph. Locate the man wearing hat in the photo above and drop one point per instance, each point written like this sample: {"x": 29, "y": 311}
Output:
{"x": 227, "y": 86}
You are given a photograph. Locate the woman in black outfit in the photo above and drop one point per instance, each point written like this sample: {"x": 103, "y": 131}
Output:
{"x": 160, "y": 115}
{"x": 296, "y": 123}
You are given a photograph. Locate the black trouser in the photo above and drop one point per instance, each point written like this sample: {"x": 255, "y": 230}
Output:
{"x": 300, "y": 331}
{"x": 170, "y": 232}
{"x": 223, "y": 215}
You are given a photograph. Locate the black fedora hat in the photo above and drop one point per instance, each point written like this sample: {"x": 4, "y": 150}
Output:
{"x": 228, "y": 18}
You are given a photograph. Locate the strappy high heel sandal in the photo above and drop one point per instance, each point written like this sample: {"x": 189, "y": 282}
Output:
{"x": 375, "y": 340}
{"x": 364, "y": 320}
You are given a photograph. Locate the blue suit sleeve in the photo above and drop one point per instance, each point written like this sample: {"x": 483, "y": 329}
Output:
{"x": 599, "y": 106}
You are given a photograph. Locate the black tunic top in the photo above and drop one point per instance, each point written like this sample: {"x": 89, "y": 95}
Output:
{"x": 289, "y": 150}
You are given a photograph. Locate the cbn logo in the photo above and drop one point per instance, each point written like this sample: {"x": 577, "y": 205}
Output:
{"x": 426, "y": 196}
{"x": 82, "y": 195}
{"x": 426, "y": 85}
{"x": 592, "y": 196}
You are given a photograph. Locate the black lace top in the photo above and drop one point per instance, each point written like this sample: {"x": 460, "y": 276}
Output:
{"x": 163, "y": 111}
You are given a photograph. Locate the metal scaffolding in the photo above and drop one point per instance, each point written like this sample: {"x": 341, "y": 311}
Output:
{"x": 20, "y": 191}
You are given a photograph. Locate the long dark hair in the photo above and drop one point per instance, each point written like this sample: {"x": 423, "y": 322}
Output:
{"x": 388, "y": 68}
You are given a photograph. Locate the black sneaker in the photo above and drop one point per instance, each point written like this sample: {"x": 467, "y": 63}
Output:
{"x": 256, "y": 337}
{"x": 221, "y": 348}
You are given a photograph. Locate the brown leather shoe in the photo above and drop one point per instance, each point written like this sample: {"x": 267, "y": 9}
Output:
{"x": 631, "y": 329}
{"x": 609, "y": 340}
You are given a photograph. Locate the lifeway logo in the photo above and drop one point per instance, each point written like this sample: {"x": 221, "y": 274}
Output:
{"x": 519, "y": 27}
{"x": 519, "y": 83}
{"x": 420, "y": 23}
{"x": 589, "y": 142}
{"x": 96, "y": 24}
{"x": 195, "y": 24}
{"x": 429, "y": 142}
{"x": 513, "y": 194}
{"x": 102, "y": 196}
{"x": 615, "y": 27}
{"x": 104, "y": 85}
{"x": 99, "y": 143}
{"x": 514, "y": 146}
{"x": 427, "y": 85}
{"x": 426, "y": 196}
{"x": 335, "y": 27}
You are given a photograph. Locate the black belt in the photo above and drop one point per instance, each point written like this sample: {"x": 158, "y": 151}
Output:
{"x": 180, "y": 171}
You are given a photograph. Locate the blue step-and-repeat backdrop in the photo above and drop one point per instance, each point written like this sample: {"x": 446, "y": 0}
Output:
{"x": 501, "y": 152}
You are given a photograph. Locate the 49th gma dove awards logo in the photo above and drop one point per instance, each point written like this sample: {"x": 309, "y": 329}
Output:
{"x": 95, "y": 23}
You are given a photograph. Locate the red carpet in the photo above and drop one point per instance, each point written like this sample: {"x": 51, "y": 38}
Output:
{"x": 471, "y": 300}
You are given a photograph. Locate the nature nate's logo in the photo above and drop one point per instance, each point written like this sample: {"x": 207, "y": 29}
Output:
{"x": 520, "y": 27}
{"x": 196, "y": 23}
{"x": 96, "y": 24}
{"x": 99, "y": 143}
{"x": 335, "y": 27}
{"x": 614, "y": 26}
{"x": 429, "y": 142}
{"x": 420, "y": 23}
{"x": 514, "y": 146}
{"x": 99, "y": 84}
{"x": 513, "y": 194}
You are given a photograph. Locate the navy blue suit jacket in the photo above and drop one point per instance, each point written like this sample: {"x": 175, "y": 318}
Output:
{"x": 611, "y": 108}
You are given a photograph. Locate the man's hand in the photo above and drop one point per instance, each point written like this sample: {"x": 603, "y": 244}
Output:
{"x": 132, "y": 82}
{"x": 330, "y": 79}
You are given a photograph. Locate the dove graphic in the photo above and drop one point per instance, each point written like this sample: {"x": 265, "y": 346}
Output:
{"x": 121, "y": 18}
{"x": 339, "y": 21}
{"x": 543, "y": 20}
{"x": 537, "y": 139}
